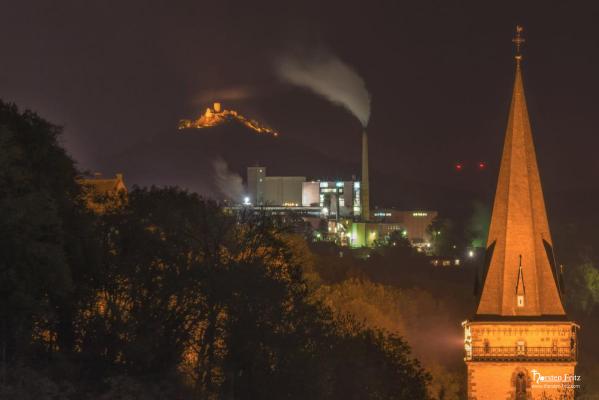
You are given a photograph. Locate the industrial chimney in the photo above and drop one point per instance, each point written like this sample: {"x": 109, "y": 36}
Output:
{"x": 364, "y": 186}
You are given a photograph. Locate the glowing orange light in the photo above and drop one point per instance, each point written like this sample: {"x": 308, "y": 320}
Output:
{"x": 216, "y": 116}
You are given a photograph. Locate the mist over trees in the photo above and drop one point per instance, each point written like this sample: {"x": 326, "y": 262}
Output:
{"x": 165, "y": 295}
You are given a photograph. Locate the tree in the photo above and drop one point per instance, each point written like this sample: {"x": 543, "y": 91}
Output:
{"x": 584, "y": 287}
{"x": 371, "y": 364}
{"x": 399, "y": 239}
{"x": 151, "y": 293}
{"x": 225, "y": 299}
{"x": 44, "y": 244}
{"x": 166, "y": 294}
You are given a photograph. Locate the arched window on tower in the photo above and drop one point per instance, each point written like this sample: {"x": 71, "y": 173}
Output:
{"x": 520, "y": 386}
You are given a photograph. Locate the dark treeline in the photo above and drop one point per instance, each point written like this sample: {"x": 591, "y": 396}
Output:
{"x": 165, "y": 295}
{"x": 398, "y": 289}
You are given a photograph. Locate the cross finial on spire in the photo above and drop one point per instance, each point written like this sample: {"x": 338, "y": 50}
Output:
{"x": 518, "y": 41}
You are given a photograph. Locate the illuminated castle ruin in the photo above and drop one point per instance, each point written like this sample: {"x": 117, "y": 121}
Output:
{"x": 217, "y": 115}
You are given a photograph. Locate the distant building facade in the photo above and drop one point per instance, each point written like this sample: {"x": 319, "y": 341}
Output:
{"x": 274, "y": 190}
{"x": 338, "y": 203}
{"x": 415, "y": 223}
{"x": 100, "y": 191}
{"x": 368, "y": 234}
{"x": 338, "y": 199}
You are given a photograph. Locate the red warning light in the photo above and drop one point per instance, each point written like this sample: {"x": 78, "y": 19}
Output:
{"x": 459, "y": 166}
{"x": 482, "y": 165}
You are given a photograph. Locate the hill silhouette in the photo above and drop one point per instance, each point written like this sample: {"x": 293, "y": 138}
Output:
{"x": 185, "y": 158}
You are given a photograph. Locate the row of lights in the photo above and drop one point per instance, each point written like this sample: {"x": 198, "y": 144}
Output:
{"x": 460, "y": 166}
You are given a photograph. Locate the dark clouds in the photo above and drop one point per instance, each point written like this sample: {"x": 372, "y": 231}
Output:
{"x": 440, "y": 75}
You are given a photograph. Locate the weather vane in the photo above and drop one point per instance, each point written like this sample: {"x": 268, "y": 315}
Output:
{"x": 518, "y": 41}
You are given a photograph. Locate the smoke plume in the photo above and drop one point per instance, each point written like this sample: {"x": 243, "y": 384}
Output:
{"x": 328, "y": 76}
{"x": 228, "y": 183}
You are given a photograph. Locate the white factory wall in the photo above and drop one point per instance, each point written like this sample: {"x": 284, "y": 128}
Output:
{"x": 310, "y": 193}
{"x": 283, "y": 190}
{"x": 255, "y": 180}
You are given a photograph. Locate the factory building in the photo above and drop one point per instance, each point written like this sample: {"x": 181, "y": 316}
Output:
{"x": 415, "y": 223}
{"x": 339, "y": 204}
{"x": 255, "y": 184}
{"x": 273, "y": 190}
{"x": 338, "y": 199}
{"x": 367, "y": 234}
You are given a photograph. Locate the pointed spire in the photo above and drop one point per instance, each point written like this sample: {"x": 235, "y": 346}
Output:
{"x": 519, "y": 225}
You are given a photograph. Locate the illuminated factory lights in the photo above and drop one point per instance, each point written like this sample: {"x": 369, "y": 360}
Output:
{"x": 337, "y": 202}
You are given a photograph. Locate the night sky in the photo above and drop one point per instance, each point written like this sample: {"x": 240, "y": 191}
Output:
{"x": 440, "y": 75}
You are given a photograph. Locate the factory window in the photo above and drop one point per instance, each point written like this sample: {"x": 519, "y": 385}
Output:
{"x": 324, "y": 184}
{"x": 382, "y": 214}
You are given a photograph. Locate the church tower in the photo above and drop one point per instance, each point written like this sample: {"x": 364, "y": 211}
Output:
{"x": 520, "y": 345}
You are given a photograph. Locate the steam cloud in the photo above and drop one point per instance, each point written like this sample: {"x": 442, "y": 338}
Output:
{"x": 328, "y": 76}
{"x": 228, "y": 183}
